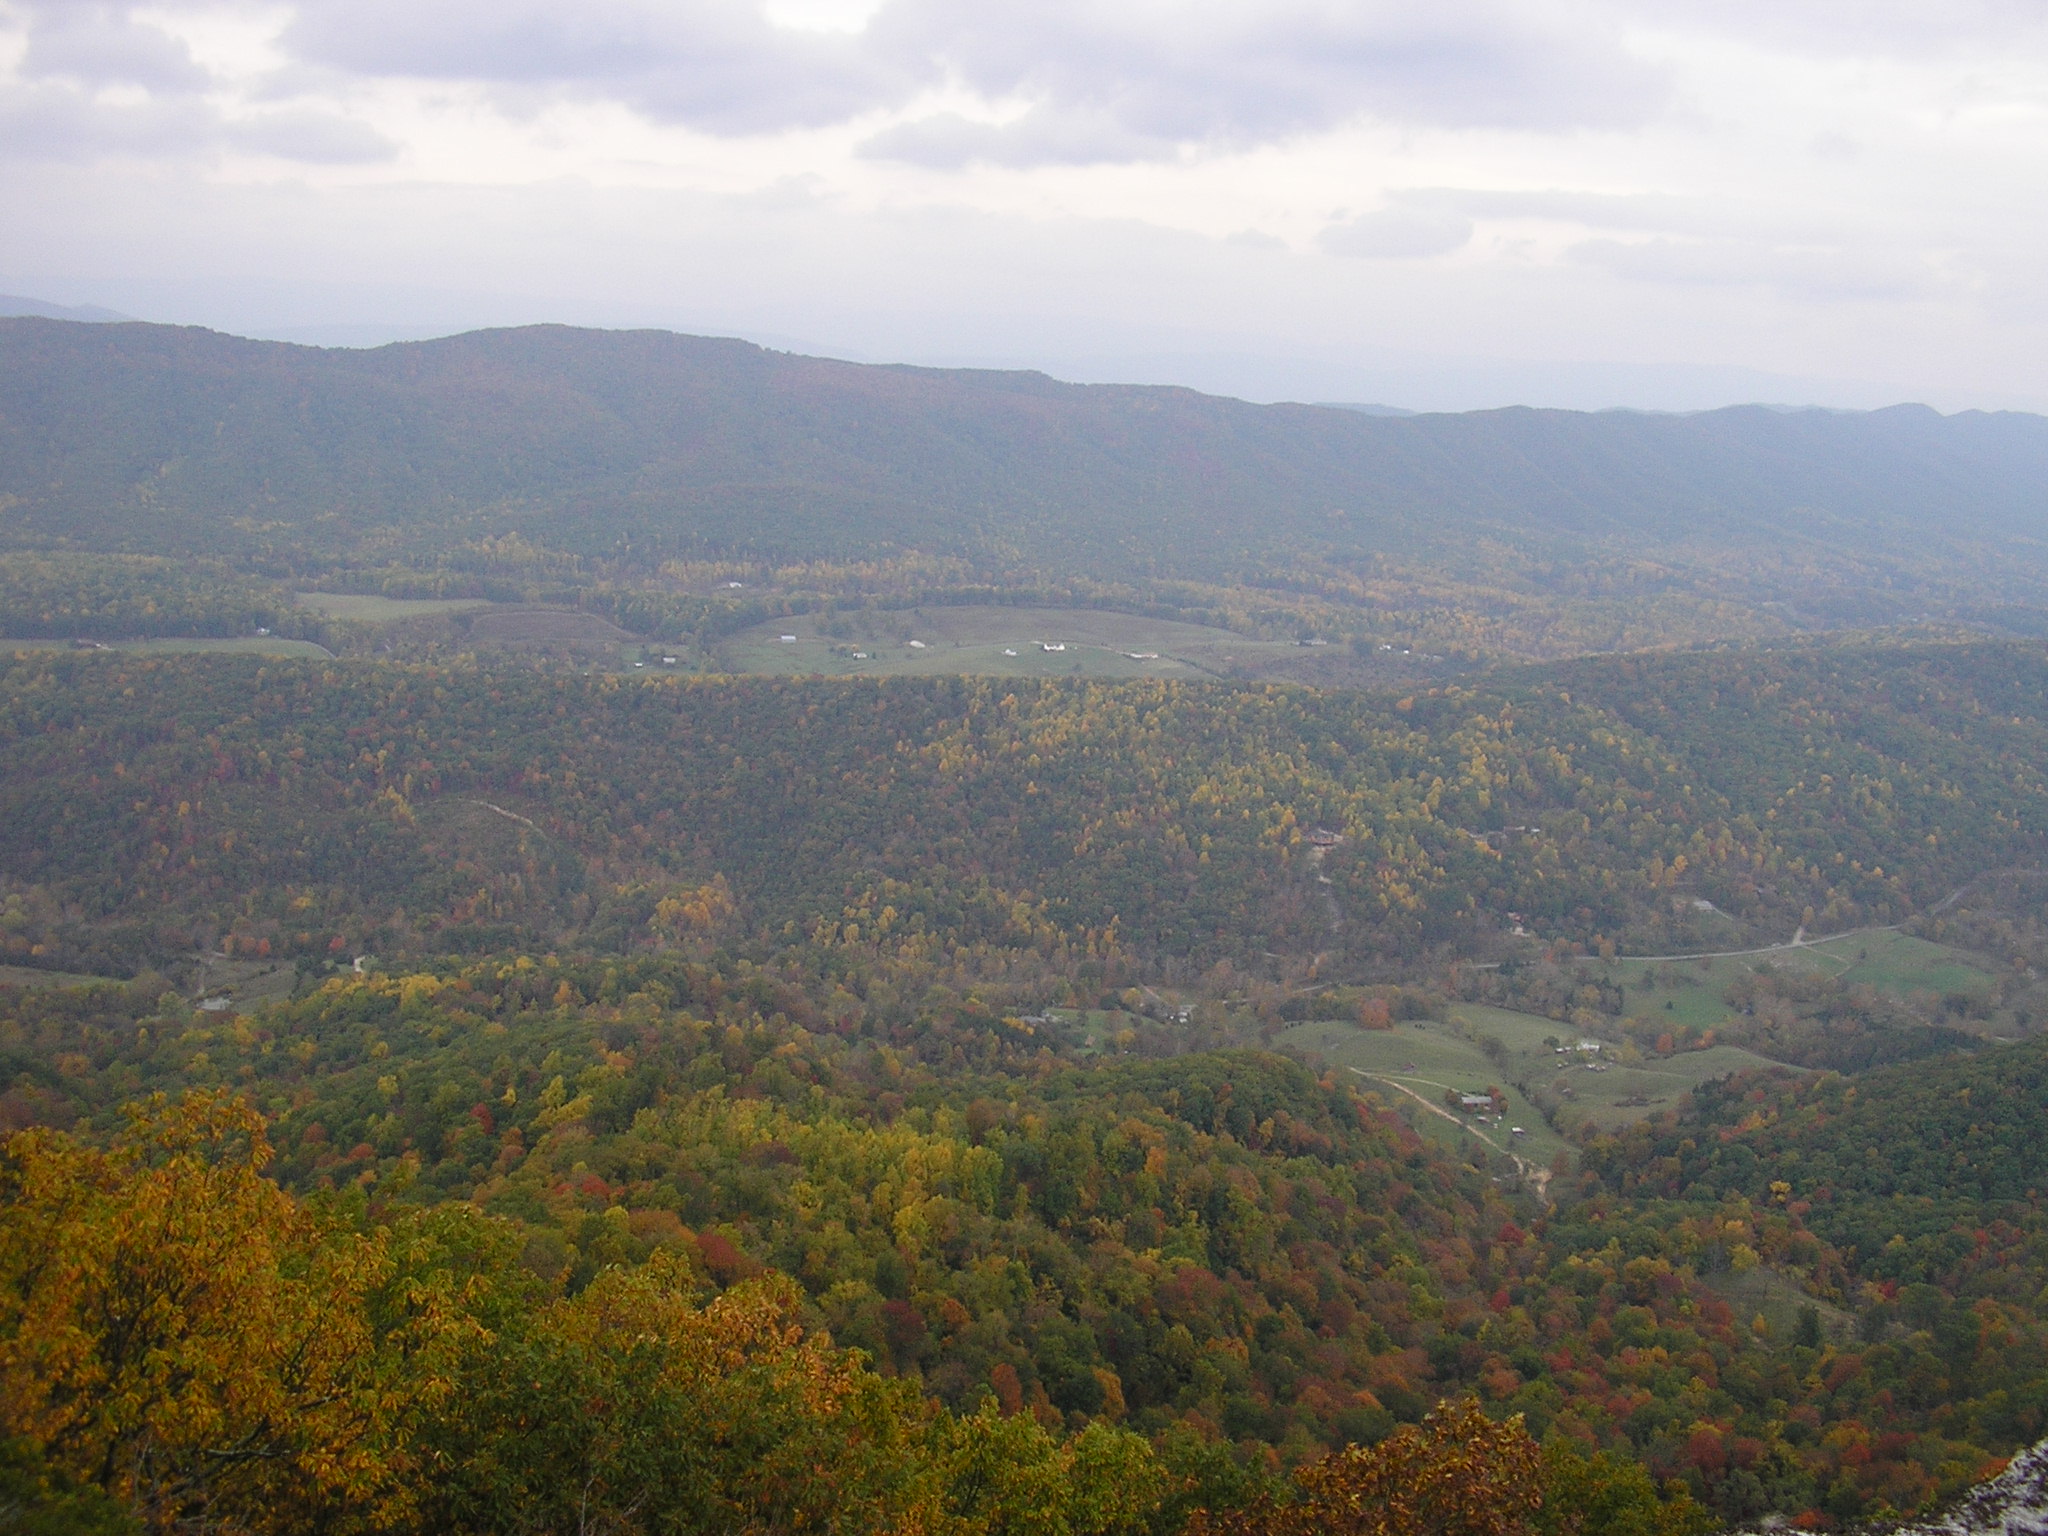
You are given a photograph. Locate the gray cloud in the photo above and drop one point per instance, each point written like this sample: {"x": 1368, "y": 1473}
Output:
{"x": 715, "y": 64}
{"x": 314, "y": 138}
{"x": 101, "y": 44}
{"x": 1255, "y": 71}
{"x": 1101, "y": 83}
{"x": 1861, "y": 28}
{"x": 1595, "y": 210}
{"x": 1398, "y": 232}
{"x": 1106, "y": 83}
{"x": 55, "y": 106}
{"x": 60, "y": 121}
{"x": 947, "y": 141}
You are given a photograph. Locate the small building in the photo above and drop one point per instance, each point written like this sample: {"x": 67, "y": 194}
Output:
{"x": 1473, "y": 1103}
{"x": 1323, "y": 837}
{"x": 789, "y": 639}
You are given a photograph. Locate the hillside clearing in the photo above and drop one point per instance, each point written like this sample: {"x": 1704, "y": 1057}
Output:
{"x": 356, "y": 608}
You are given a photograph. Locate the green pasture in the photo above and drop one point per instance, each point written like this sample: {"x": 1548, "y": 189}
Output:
{"x": 1777, "y": 1298}
{"x": 1691, "y": 992}
{"x": 1622, "y": 1091}
{"x": 355, "y": 608}
{"x": 1519, "y": 1032}
{"x": 1900, "y": 963}
{"x": 1630, "y": 1090}
{"x": 28, "y": 976}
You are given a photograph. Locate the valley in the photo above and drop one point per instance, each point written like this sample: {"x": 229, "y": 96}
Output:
{"x": 630, "y": 925}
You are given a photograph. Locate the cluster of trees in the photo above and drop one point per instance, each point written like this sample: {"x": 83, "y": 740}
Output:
{"x": 65, "y": 596}
{"x": 1215, "y": 1250}
{"x": 184, "y": 1345}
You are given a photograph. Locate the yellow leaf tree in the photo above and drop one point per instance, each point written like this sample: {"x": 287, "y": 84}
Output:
{"x": 1456, "y": 1474}
{"x": 176, "y": 1331}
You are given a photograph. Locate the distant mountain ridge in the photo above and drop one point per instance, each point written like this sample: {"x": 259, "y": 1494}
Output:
{"x": 641, "y": 445}
{"x": 14, "y": 305}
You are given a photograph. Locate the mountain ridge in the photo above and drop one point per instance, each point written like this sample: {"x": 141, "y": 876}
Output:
{"x": 653, "y": 427}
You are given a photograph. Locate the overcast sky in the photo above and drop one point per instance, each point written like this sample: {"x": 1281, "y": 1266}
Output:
{"x": 1444, "y": 204}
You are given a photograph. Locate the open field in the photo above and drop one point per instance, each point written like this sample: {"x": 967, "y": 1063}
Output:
{"x": 1690, "y": 992}
{"x": 240, "y": 645}
{"x": 28, "y": 976}
{"x": 1006, "y": 642}
{"x": 1094, "y": 1029}
{"x": 1778, "y": 1299}
{"x": 247, "y": 983}
{"x": 1430, "y": 1059}
{"x": 355, "y": 609}
{"x": 1628, "y": 1091}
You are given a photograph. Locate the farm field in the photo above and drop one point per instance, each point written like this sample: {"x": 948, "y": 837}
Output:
{"x": 246, "y": 982}
{"x": 1691, "y": 992}
{"x": 1428, "y": 1060}
{"x": 1618, "y": 1091}
{"x": 1627, "y": 1091}
{"x": 354, "y": 608}
{"x": 1005, "y": 642}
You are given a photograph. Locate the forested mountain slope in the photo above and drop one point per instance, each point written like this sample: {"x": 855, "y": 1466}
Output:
{"x": 750, "y": 1019}
{"x": 641, "y": 446}
{"x": 149, "y": 803}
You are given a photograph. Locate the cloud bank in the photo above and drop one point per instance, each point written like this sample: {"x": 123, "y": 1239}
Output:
{"x": 1835, "y": 186}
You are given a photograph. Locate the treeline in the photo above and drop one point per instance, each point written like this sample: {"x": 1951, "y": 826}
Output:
{"x": 118, "y": 597}
{"x": 184, "y": 1344}
{"x": 1831, "y": 1142}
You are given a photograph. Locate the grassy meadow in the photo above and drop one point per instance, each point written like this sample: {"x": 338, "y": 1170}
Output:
{"x": 239, "y": 645}
{"x": 355, "y": 608}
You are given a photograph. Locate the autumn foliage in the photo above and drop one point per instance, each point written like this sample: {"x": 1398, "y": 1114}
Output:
{"x": 178, "y": 1331}
{"x": 1458, "y": 1473}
